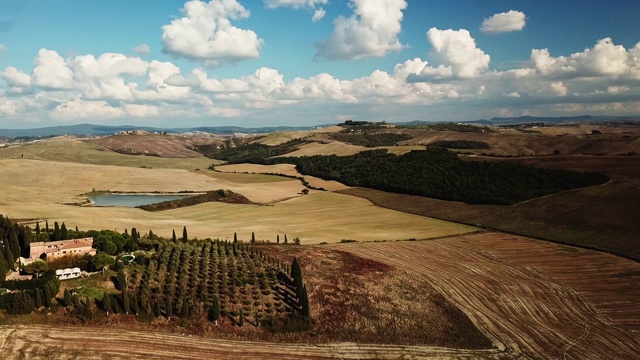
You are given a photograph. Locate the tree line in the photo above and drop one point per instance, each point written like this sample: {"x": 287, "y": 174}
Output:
{"x": 441, "y": 174}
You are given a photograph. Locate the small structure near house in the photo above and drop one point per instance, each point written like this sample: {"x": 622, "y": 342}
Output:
{"x": 68, "y": 273}
{"x": 51, "y": 249}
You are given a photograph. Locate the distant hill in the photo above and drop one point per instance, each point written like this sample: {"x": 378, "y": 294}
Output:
{"x": 101, "y": 130}
{"x": 541, "y": 119}
{"x": 552, "y": 120}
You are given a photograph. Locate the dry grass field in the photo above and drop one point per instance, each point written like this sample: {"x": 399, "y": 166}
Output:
{"x": 168, "y": 146}
{"x": 533, "y": 299}
{"x": 343, "y": 149}
{"x": 65, "y": 149}
{"x": 509, "y": 142}
{"x": 43, "y": 190}
{"x": 284, "y": 169}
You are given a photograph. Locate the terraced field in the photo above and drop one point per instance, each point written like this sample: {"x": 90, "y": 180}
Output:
{"x": 533, "y": 299}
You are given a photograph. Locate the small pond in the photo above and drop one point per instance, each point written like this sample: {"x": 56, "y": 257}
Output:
{"x": 133, "y": 200}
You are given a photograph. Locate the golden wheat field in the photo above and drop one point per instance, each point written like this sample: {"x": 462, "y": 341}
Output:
{"x": 48, "y": 190}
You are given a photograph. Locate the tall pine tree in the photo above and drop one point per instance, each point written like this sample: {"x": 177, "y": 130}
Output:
{"x": 56, "y": 232}
{"x": 64, "y": 233}
{"x": 3, "y": 269}
{"x": 106, "y": 302}
{"x": 214, "y": 310}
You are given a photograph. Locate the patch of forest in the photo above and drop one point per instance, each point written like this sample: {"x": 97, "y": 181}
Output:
{"x": 369, "y": 139}
{"x": 460, "y": 144}
{"x": 255, "y": 153}
{"x": 441, "y": 174}
{"x": 222, "y": 195}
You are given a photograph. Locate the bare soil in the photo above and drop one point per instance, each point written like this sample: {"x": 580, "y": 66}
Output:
{"x": 532, "y": 299}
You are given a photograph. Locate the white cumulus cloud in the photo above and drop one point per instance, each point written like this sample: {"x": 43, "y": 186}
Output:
{"x": 272, "y": 4}
{"x": 457, "y": 55}
{"x": 504, "y": 22}
{"x": 15, "y": 77}
{"x": 372, "y": 30}
{"x": 558, "y": 88}
{"x": 318, "y": 15}
{"x": 51, "y": 71}
{"x": 142, "y": 49}
{"x": 205, "y": 33}
{"x": 81, "y": 109}
{"x": 604, "y": 59}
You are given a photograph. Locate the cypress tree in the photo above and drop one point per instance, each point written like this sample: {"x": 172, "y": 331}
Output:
{"x": 114, "y": 304}
{"x": 304, "y": 302}
{"x": 25, "y": 241}
{"x": 67, "y": 298}
{"x": 76, "y": 228}
{"x": 173, "y": 237}
{"x": 214, "y": 311}
{"x": 253, "y": 237}
{"x": 64, "y": 234}
{"x": 278, "y": 239}
{"x": 47, "y": 296}
{"x": 169, "y": 306}
{"x": 285, "y": 239}
{"x": 158, "y": 308}
{"x": 8, "y": 256}
{"x": 136, "y": 308}
{"x": 38, "y": 297}
{"x": 241, "y": 319}
{"x": 125, "y": 302}
{"x": 185, "y": 309}
{"x": 46, "y": 226}
{"x": 134, "y": 235}
{"x": 3, "y": 270}
{"x": 296, "y": 271}
{"x": 235, "y": 237}
{"x": 56, "y": 232}
{"x": 185, "y": 238}
{"x": 106, "y": 302}
{"x": 13, "y": 243}
{"x": 37, "y": 228}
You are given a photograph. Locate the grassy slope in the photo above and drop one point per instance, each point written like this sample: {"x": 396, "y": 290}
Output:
{"x": 73, "y": 150}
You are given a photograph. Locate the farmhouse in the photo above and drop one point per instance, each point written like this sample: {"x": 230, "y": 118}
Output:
{"x": 52, "y": 249}
{"x": 68, "y": 273}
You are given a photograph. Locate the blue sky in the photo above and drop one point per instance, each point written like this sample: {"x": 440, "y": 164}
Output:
{"x": 306, "y": 62}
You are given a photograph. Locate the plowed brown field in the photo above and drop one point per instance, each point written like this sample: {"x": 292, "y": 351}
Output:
{"x": 535, "y": 299}
{"x": 58, "y": 342}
